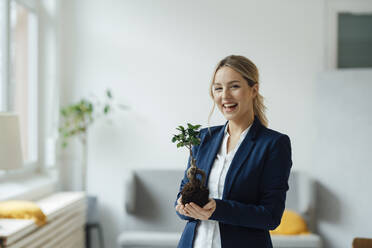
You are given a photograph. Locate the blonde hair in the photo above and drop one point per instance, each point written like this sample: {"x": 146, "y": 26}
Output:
{"x": 249, "y": 72}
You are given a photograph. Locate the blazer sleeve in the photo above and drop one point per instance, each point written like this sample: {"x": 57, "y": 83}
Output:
{"x": 274, "y": 185}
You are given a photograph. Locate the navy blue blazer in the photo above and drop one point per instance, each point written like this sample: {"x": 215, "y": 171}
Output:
{"x": 256, "y": 183}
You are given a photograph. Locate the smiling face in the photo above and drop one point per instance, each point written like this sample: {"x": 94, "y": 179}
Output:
{"x": 232, "y": 94}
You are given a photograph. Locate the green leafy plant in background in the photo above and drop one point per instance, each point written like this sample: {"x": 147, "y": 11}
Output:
{"x": 194, "y": 190}
{"x": 76, "y": 118}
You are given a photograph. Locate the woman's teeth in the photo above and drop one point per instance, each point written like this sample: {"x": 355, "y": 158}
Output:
{"x": 230, "y": 107}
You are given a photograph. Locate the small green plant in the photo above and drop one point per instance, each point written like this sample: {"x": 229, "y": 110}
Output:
{"x": 188, "y": 138}
{"x": 76, "y": 118}
{"x": 194, "y": 190}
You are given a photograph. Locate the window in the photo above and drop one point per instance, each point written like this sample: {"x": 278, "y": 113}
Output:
{"x": 348, "y": 34}
{"x": 354, "y": 41}
{"x": 3, "y": 52}
{"x": 18, "y": 70}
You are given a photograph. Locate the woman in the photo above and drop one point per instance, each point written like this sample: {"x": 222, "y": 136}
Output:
{"x": 247, "y": 167}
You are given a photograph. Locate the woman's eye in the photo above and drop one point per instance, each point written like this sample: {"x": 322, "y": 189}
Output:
{"x": 217, "y": 88}
{"x": 236, "y": 86}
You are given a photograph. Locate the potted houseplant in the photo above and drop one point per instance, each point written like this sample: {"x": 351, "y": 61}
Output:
{"x": 76, "y": 118}
{"x": 195, "y": 190}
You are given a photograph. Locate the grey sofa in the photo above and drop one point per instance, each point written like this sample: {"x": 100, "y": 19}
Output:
{"x": 150, "y": 219}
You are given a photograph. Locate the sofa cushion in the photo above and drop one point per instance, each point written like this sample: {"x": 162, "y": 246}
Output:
{"x": 150, "y": 197}
{"x": 296, "y": 241}
{"x": 291, "y": 223}
{"x": 149, "y": 239}
{"x": 22, "y": 210}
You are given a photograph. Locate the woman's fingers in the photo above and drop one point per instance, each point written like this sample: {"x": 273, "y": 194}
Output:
{"x": 193, "y": 212}
{"x": 178, "y": 208}
{"x": 197, "y": 208}
{"x": 197, "y": 211}
{"x": 200, "y": 213}
{"x": 209, "y": 205}
{"x": 181, "y": 209}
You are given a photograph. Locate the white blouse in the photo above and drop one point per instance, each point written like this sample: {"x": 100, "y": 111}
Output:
{"x": 208, "y": 231}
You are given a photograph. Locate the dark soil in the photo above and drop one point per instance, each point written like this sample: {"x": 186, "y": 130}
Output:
{"x": 195, "y": 192}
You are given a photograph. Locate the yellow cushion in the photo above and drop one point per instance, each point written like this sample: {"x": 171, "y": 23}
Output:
{"x": 22, "y": 210}
{"x": 291, "y": 223}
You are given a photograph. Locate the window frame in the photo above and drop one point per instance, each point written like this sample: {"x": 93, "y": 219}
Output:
{"x": 34, "y": 166}
{"x": 333, "y": 8}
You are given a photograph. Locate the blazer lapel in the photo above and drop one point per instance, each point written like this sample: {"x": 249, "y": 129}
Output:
{"x": 212, "y": 152}
{"x": 240, "y": 156}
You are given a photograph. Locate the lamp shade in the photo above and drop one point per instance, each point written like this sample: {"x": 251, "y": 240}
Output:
{"x": 10, "y": 142}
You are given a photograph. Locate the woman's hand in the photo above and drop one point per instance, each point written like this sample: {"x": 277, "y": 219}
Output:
{"x": 180, "y": 207}
{"x": 194, "y": 211}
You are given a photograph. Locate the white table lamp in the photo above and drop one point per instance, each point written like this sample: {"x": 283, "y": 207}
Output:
{"x": 10, "y": 142}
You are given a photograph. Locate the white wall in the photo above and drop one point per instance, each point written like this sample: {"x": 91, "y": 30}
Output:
{"x": 158, "y": 57}
{"x": 342, "y": 162}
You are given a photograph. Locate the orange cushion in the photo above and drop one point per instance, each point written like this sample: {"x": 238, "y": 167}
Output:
{"x": 22, "y": 210}
{"x": 291, "y": 223}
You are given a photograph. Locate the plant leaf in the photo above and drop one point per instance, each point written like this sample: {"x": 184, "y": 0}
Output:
{"x": 106, "y": 109}
{"x": 64, "y": 144}
{"x": 197, "y": 127}
{"x": 108, "y": 93}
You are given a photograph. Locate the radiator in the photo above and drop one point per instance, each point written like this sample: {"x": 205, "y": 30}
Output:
{"x": 66, "y": 213}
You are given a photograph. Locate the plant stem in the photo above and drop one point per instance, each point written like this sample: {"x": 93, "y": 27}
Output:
{"x": 84, "y": 160}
